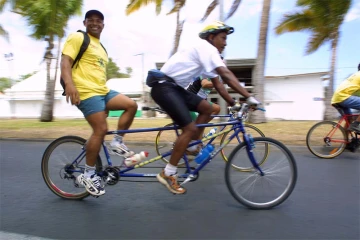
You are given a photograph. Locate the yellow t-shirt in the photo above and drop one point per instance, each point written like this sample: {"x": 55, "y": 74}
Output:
{"x": 88, "y": 74}
{"x": 349, "y": 87}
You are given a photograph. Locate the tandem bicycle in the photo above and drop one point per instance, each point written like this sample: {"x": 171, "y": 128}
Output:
{"x": 165, "y": 139}
{"x": 269, "y": 179}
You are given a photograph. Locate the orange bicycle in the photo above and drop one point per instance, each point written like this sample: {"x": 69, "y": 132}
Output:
{"x": 328, "y": 139}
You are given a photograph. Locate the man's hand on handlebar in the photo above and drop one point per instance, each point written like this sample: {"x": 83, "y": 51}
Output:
{"x": 252, "y": 101}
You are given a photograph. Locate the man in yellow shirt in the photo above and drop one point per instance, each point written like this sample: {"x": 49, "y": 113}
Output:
{"x": 347, "y": 96}
{"x": 85, "y": 87}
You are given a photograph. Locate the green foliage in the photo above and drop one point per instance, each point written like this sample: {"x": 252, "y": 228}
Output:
{"x": 129, "y": 70}
{"x": 322, "y": 18}
{"x": 113, "y": 71}
{"x": 22, "y": 77}
{"x": 135, "y": 5}
{"x": 4, "y": 83}
{"x": 4, "y": 33}
{"x": 48, "y": 18}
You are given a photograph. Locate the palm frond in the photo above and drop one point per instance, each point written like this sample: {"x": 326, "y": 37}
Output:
{"x": 158, "y": 6}
{"x": 135, "y": 5}
{"x": 4, "y": 33}
{"x": 315, "y": 41}
{"x": 178, "y": 5}
{"x": 2, "y": 4}
{"x": 210, "y": 8}
{"x": 294, "y": 22}
{"x": 233, "y": 8}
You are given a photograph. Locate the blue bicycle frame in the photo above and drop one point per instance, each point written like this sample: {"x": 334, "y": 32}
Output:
{"x": 237, "y": 126}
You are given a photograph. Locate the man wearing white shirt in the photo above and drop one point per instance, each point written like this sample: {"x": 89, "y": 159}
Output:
{"x": 169, "y": 92}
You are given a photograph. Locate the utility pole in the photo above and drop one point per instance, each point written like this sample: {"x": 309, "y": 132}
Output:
{"x": 222, "y": 103}
{"x": 142, "y": 75}
{"x": 9, "y": 57}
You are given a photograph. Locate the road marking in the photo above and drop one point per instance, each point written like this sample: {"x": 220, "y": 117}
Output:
{"x": 16, "y": 236}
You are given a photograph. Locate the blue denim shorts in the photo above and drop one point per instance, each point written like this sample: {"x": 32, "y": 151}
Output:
{"x": 96, "y": 103}
{"x": 352, "y": 102}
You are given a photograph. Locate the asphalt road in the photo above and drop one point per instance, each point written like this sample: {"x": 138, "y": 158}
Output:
{"x": 324, "y": 205}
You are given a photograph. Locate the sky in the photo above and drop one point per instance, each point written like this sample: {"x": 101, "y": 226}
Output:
{"x": 152, "y": 36}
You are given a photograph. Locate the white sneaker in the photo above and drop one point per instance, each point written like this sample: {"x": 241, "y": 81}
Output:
{"x": 121, "y": 149}
{"x": 92, "y": 185}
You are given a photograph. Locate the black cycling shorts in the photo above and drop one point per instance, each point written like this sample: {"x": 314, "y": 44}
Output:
{"x": 176, "y": 101}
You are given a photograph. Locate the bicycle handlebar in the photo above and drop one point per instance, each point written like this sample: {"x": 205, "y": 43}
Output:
{"x": 243, "y": 109}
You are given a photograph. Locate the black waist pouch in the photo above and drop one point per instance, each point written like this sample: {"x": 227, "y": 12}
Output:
{"x": 155, "y": 76}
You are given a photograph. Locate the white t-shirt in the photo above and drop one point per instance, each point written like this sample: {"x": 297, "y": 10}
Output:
{"x": 200, "y": 59}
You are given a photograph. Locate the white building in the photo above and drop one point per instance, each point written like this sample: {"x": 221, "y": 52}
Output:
{"x": 292, "y": 97}
{"x": 295, "y": 97}
{"x": 25, "y": 99}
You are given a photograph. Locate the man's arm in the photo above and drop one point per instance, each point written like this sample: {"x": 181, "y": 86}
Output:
{"x": 66, "y": 73}
{"x": 220, "y": 88}
{"x": 230, "y": 79}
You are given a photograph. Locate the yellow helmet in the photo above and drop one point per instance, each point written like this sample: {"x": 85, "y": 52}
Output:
{"x": 214, "y": 28}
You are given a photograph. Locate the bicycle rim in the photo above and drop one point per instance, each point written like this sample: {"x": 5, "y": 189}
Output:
{"x": 59, "y": 171}
{"x": 252, "y": 189}
{"x": 226, "y": 151}
{"x": 165, "y": 141}
{"x": 326, "y": 140}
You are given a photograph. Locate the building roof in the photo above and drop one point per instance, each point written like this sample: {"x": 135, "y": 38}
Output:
{"x": 37, "y": 83}
{"x": 320, "y": 74}
{"x": 231, "y": 63}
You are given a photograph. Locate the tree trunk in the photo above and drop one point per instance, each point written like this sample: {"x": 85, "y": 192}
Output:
{"x": 330, "y": 112}
{"x": 48, "y": 105}
{"x": 179, "y": 29}
{"x": 258, "y": 74}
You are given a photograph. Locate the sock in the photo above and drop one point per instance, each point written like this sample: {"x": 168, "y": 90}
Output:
{"x": 170, "y": 169}
{"x": 89, "y": 171}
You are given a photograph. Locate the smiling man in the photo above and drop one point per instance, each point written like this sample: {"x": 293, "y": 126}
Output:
{"x": 85, "y": 87}
{"x": 200, "y": 59}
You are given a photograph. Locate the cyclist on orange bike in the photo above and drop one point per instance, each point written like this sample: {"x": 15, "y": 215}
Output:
{"x": 347, "y": 96}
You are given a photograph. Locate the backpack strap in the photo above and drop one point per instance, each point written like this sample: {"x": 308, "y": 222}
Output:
{"x": 83, "y": 47}
{"x": 104, "y": 48}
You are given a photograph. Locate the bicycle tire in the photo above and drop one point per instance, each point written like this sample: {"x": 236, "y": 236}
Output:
{"x": 164, "y": 142}
{"x": 273, "y": 192}
{"x": 255, "y": 132}
{"x": 321, "y": 145}
{"x": 63, "y": 149}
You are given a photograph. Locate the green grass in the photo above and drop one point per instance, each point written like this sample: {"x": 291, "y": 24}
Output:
{"x": 288, "y": 132}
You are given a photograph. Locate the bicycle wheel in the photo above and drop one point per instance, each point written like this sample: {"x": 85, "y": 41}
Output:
{"x": 258, "y": 191}
{"x": 165, "y": 141}
{"x": 326, "y": 139}
{"x": 225, "y": 152}
{"x": 62, "y": 161}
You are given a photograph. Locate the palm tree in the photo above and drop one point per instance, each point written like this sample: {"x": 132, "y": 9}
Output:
{"x": 258, "y": 73}
{"x": 135, "y": 5}
{"x": 48, "y": 19}
{"x": 322, "y": 18}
